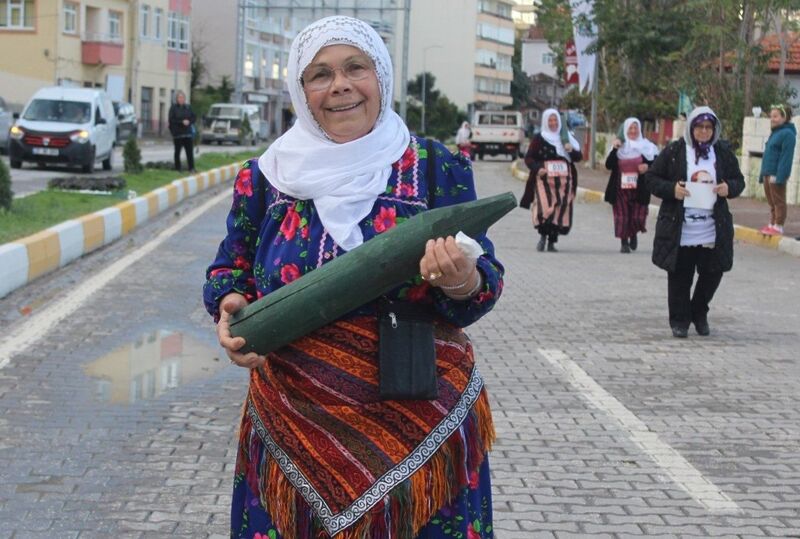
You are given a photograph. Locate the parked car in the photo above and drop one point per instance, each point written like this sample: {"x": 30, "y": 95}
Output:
{"x": 5, "y": 124}
{"x": 224, "y": 121}
{"x": 496, "y": 132}
{"x": 73, "y": 126}
{"x": 127, "y": 123}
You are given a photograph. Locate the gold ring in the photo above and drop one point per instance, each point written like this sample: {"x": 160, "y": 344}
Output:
{"x": 434, "y": 275}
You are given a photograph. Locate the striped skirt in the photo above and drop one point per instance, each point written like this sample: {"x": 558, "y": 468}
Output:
{"x": 630, "y": 217}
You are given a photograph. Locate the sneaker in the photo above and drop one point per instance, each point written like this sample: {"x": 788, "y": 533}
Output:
{"x": 777, "y": 230}
{"x": 540, "y": 244}
{"x": 633, "y": 243}
{"x": 701, "y": 326}
{"x": 766, "y": 230}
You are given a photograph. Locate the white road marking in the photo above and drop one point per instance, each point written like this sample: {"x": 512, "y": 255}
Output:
{"x": 674, "y": 465}
{"x": 37, "y": 326}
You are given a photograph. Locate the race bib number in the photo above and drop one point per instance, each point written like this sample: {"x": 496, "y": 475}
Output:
{"x": 629, "y": 181}
{"x": 556, "y": 168}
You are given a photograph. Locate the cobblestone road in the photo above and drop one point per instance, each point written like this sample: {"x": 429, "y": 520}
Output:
{"x": 120, "y": 421}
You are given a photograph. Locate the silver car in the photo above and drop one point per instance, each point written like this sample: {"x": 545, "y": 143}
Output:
{"x": 5, "y": 124}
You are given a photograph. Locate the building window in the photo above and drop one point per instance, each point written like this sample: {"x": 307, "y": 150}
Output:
{"x": 496, "y": 33}
{"x": 147, "y": 108}
{"x": 70, "y": 18}
{"x": 177, "y": 32}
{"x": 144, "y": 20}
{"x": 249, "y": 65}
{"x": 115, "y": 25}
{"x": 547, "y": 58}
{"x": 16, "y": 14}
{"x": 158, "y": 16}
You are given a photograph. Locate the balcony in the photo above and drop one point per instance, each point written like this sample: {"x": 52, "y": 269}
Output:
{"x": 101, "y": 49}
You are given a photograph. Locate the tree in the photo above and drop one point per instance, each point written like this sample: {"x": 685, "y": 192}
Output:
{"x": 442, "y": 116}
{"x": 651, "y": 51}
{"x": 520, "y": 84}
{"x": 132, "y": 157}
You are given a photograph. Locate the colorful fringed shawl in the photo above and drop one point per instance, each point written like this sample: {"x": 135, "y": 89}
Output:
{"x": 365, "y": 467}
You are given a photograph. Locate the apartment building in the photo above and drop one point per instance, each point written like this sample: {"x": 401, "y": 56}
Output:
{"x": 468, "y": 45}
{"x": 138, "y": 50}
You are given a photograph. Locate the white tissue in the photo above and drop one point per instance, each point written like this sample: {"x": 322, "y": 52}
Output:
{"x": 471, "y": 248}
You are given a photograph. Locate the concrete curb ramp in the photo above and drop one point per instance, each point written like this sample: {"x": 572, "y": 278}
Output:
{"x": 744, "y": 234}
{"x": 26, "y": 259}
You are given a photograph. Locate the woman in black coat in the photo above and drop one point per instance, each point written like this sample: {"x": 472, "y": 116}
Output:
{"x": 692, "y": 235}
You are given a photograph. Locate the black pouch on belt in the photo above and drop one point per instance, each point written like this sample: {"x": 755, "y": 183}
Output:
{"x": 406, "y": 352}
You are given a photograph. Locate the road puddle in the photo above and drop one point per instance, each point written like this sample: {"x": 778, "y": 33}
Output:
{"x": 152, "y": 365}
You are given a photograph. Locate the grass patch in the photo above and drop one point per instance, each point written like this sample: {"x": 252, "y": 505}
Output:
{"x": 48, "y": 208}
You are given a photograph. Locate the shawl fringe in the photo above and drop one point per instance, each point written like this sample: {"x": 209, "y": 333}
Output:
{"x": 403, "y": 512}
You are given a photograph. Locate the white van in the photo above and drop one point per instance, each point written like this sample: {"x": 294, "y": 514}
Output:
{"x": 73, "y": 126}
{"x": 224, "y": 121}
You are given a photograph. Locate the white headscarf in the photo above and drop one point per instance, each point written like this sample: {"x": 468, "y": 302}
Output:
{"x": 640, "y": 146}
{"x": 462, "y": 137}
{"x": 344, "y": 180}
{"x": 554, "y": 137}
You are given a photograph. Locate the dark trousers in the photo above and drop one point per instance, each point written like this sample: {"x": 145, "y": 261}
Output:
{"x": 181, "y": 143}
{"x": 685, "y": 307}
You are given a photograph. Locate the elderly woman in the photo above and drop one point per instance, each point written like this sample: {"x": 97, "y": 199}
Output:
{"x": 776, "y": 167}
{"x": 321, "y": 454}
{"x": 553, "y": 180}
{"x": 626, "y": 191}
{"x": 694, "y": 233}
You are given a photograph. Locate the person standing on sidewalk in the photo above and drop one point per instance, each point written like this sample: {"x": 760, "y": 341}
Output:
{"x": 776, "y": 167}
{"x": 181, "y": 126}
{"x": 693, "y": 236}
{"x": 321, "y": 452}
{"x": 626, "y": 191}
{"x": 553, "y": 180}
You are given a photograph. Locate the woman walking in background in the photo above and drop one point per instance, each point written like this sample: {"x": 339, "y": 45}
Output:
{"x": 694, "y": 231}
{"x": 776, "y": 167}
{"x": 463, "y": 139}
{"x": 626, "y": 191}
{"x": 553, "y": 180}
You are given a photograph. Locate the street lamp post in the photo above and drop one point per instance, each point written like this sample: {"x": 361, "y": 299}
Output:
{"x": 424, "y": 83}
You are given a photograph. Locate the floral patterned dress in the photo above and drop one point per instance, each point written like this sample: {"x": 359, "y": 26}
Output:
{"x": 273, "y": 239}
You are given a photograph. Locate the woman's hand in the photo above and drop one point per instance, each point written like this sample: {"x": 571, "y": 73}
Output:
{"x": 568, "y": 147}
{"x": 542, "y": 173}
{"x": 643, "y": 168}
{"x": 444, "y": 265}
{"x": 186, "y": 122}
{"x": 681, "y": 191}
{"x": 229, "y": 305}
{"x": 721, "y": 189}
{"x": 617, "y": 144}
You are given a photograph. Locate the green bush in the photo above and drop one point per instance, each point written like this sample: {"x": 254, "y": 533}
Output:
{"x": 132, "y": 156}
{"x": 6, "y": 194}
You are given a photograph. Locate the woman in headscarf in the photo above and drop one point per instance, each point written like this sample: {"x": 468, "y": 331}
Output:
{"x": 320, "y": 453}
{"x": 553, "y": 180}
{"x": 626, "y": 192}
{"x": 694, "y": 232}
{"x": 776, "y": 166}
{"x": 463, "y": 137}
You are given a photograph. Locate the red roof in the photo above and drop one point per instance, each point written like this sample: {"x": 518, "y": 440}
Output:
{"x": 535, "y": 32}
{"x": 771, "y": 44}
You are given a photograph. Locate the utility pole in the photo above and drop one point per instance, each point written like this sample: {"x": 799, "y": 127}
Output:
{"x": 404, "y": 68}
{"x": 594, "y": 114}
{"x": 238, "y": 84}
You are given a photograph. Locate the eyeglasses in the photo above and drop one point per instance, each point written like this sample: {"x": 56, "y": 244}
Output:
{"x": 704, "y": 127}
{"x": 318, "y": 78}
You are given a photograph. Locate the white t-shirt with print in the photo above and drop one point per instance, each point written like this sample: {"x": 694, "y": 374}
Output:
{"x": 698, "y": 225}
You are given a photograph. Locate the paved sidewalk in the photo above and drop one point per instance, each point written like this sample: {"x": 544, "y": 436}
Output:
{"x": 120, "y": 420}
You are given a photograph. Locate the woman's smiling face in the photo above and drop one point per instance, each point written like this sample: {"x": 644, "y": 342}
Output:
{"x": 347, "y": 109}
